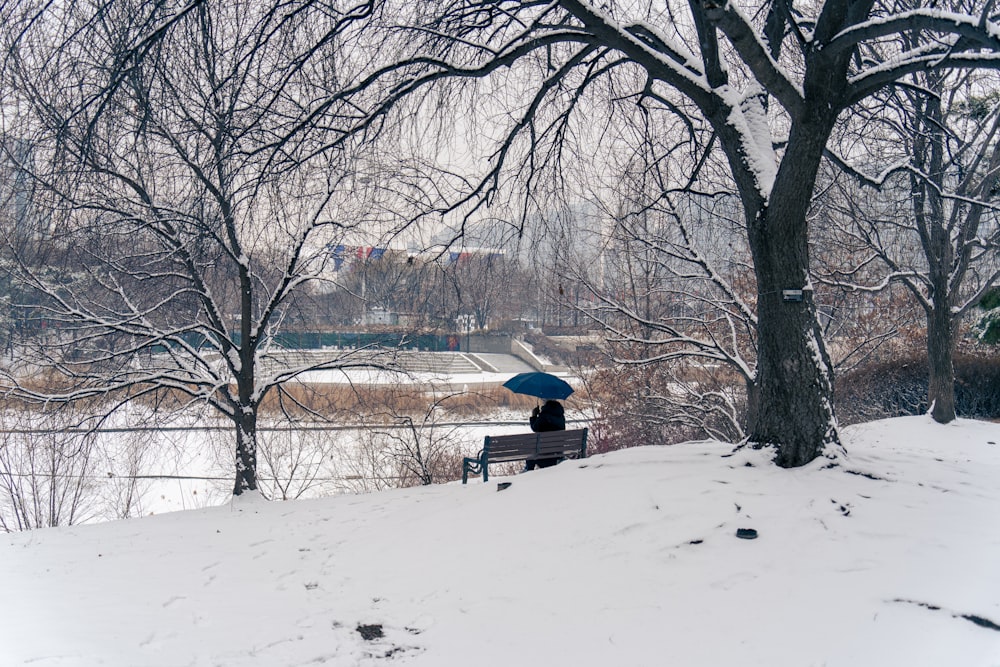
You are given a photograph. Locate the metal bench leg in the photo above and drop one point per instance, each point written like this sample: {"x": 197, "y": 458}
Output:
{"x": 473, "y": 466}
{"x": 469, "y": 465}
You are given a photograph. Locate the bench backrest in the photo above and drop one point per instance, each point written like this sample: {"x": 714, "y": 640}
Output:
{"x": 499, "y": 448}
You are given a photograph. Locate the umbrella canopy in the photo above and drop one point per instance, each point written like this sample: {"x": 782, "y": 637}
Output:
{"x": 541, "y": 385}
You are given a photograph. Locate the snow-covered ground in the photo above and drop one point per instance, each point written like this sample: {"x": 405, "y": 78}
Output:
{"x": 624, "y": 559}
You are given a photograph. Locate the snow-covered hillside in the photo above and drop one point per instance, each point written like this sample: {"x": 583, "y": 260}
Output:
{"x": 625, "y": 559}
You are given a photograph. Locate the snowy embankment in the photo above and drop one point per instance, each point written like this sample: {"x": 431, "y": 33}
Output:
{"x": 629, "y": 558}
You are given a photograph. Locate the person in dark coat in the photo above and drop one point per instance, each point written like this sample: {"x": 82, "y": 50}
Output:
{"x": 551, "y": 417}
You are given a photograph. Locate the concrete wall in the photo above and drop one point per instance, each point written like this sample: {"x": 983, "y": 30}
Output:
{"x": 490, "y": 344}
{"x": 521, "y": 351}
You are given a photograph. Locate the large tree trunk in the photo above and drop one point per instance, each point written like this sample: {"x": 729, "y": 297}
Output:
{"x": 246, "y": 417}
{"x": 933, "y": 217}
{"x": 940, "y": 351}
{"x": 246, "y": 451}
{"x": 794, "y": 393}
{"x": 793, "y": 406}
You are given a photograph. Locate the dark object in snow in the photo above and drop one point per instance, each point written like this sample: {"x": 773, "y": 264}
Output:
{"x": 503, "y": 485}
{"x": 746, "y": 533}
{"x": 972, "y": 618}
{"x": 370, "y": 632}
{"x": 981, "y": 622}
{"x": 866, "y": 475}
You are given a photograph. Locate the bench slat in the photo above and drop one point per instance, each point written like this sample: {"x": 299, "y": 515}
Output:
{"x": 573, "y": 434}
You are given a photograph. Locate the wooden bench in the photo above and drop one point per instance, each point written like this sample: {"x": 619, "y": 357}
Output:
{"x": 525, "y": 447}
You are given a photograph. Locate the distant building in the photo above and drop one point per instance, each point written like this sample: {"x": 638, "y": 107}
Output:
{"x": 17, "y": 190}
{"x": 380, "y": 317}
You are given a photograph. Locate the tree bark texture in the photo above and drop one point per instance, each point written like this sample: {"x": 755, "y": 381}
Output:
{"x": 793, "y": 407}
{"x": 936, "y": 237}
{"x": 246, "y": 409}
{"x": 940, "y": 354}
{"x": 246, "y": 452}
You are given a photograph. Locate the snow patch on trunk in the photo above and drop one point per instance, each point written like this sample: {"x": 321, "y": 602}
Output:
{"x": 749, "y": 118}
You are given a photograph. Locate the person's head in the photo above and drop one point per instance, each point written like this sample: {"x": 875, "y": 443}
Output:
{"x": 553, "y": 404}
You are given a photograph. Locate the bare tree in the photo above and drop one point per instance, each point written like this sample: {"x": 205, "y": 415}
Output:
{"x": 481, "y": 284}
{"x": 934, "y": 226}
{"x": 123, "y": 463}
{"x": 770, "y": 82}
{"x": 296, "y": 462}
{"x": 675, "y": 289}
{"x": 187, "y": 182}
{"x": 956, "y": 222}
{"x": 47, "y": 472}
{"x": 417, "y": 443}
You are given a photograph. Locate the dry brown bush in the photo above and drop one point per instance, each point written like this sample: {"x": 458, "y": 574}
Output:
{"x": 342, "y": 401}
{"x": 336, "y": 402}
{"x": 650, "y": 404}
{"x": 898, "y": 387}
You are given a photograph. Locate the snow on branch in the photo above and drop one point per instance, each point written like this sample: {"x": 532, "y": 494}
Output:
{"x": 976, "y": 31}
{"x": 756, "y": 56}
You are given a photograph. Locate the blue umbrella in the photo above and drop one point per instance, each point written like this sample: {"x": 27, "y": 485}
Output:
{"x": 540, "y": 385}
